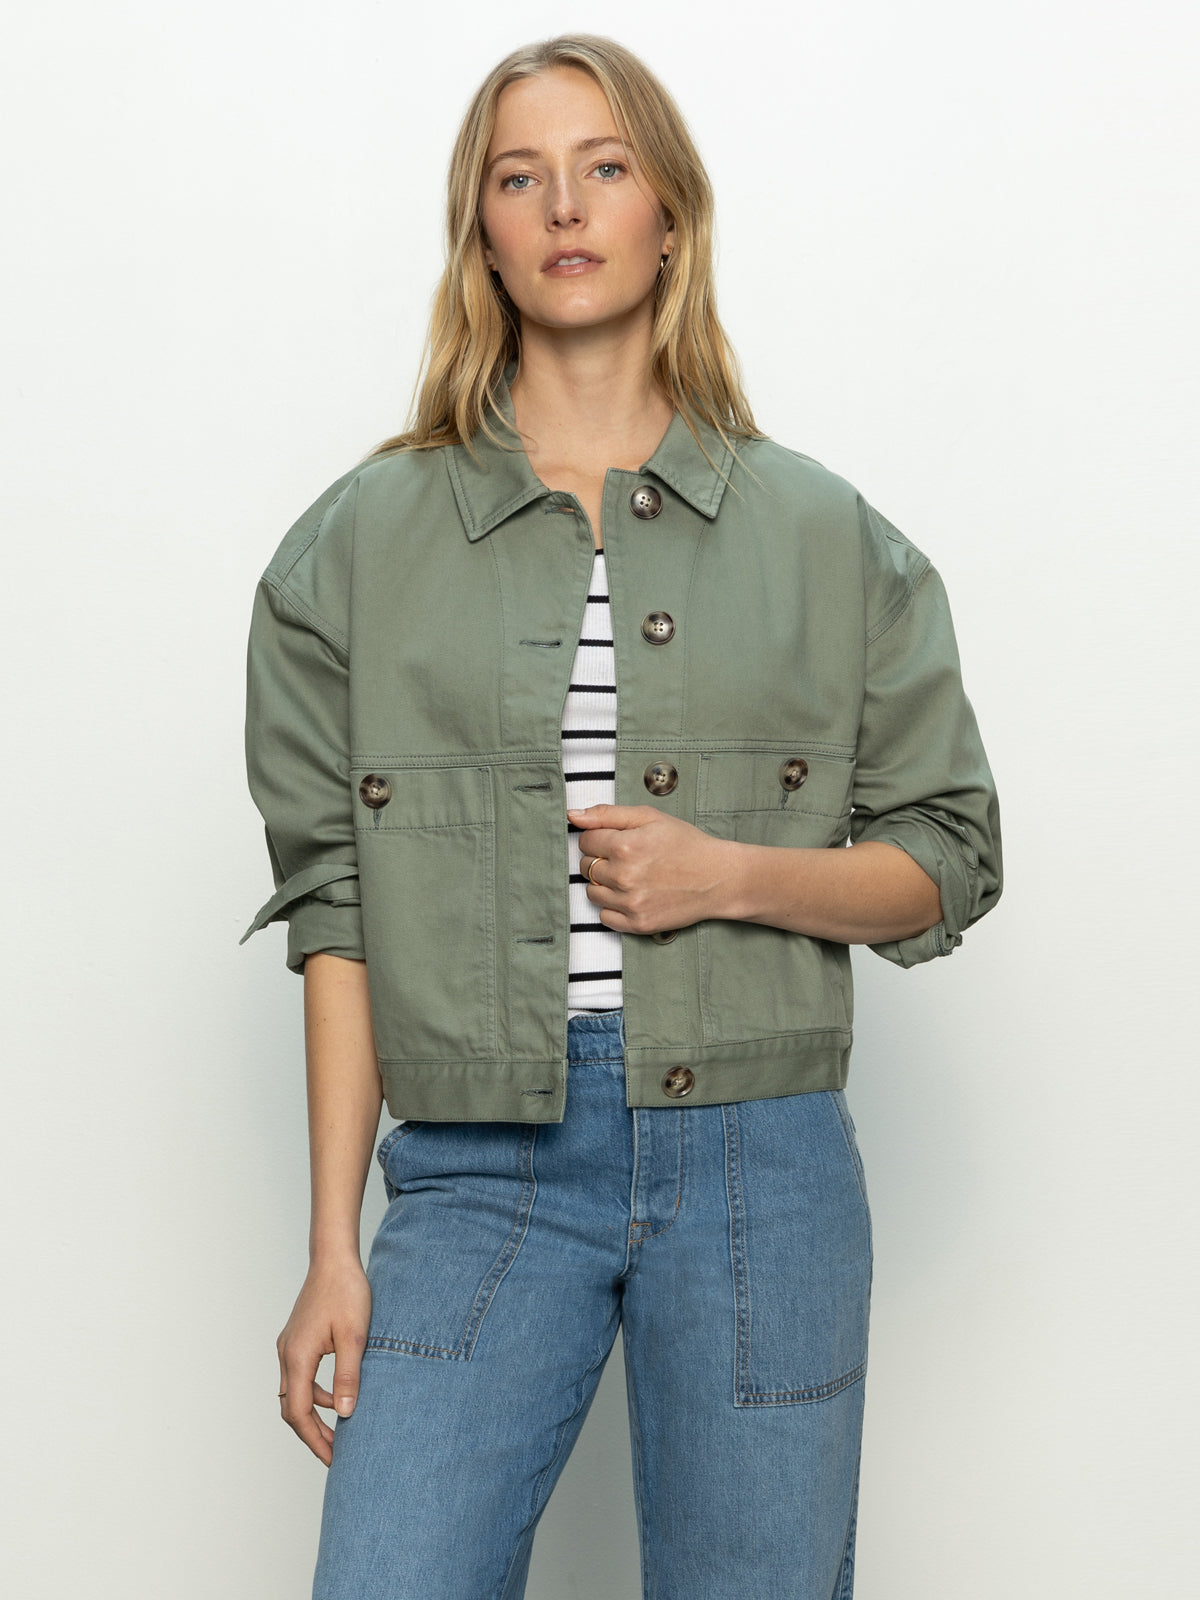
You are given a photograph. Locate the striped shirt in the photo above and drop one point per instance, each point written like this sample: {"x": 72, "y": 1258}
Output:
{"x": 589, "y": 748}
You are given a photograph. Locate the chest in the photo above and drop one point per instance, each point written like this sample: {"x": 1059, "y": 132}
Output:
{"x": 739, "y": 628}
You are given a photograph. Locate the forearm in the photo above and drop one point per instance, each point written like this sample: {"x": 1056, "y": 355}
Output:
{"x": 866, "y": 894}
{"x": 344, "y": 1099}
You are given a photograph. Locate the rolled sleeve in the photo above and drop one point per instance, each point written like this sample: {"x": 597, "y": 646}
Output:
{"x": 297, "y": 762}
{"x": 922, "y": 779}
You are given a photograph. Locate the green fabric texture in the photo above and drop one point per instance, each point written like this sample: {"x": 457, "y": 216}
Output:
{"x": 418, "y": 624}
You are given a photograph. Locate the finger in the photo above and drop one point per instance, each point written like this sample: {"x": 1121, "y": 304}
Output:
{"x": 322, "y": 1397}
{"x": 299, "y": 1383}
{"x": 607, "y": 896}
{"x": 316, "y": 1433}
{"x": 349, "y": 1344}
{"x": 599, "y": 841}
{"x": 586, "y": 863}
{"x": 604, "y": 816}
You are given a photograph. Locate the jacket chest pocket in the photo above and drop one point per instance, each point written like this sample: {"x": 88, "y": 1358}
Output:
{"x": 425, "y": 840}
{"x": 755, "y": 980}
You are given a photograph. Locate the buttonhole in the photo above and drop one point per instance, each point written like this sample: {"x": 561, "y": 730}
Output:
{"x": 783, "y": 798}
{"x": 537, "y": 1091}
{"x": 530, "y": 788}
{"x": 546, "y": 939}
{"x": 543, "y": 644}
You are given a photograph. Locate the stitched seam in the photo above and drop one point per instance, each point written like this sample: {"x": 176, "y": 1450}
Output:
{"x": 633, "y": 1188}
{"x": 410, "y": 1347}
{"x": 657, "y": 1234}
{"x": 520, "y": 1227}
{"x": 737, "y": 1236}
{"x": 639, "y": 1482}
{"x": 683, "y": 676}
{"x": 328, "y": 632}
{"x": 772, "y": 810}
{"x": 845, "y": 1586}
{"x": 416, "y": 827}
{"x": 535, "y": 1507}
{"x": 792, "y": 1033}
{"x": 822, "y": 1391}
{"x": 486, "y": 1292}
{"x": 890, "y": 622}
{"x": 547, "y": 755}
{"x": 851, "y": 1150}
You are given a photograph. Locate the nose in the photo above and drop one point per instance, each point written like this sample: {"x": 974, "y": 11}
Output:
{"x": 564, "y": 207}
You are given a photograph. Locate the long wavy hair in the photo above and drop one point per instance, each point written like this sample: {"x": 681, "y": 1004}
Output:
{"x": 474, "y": 330}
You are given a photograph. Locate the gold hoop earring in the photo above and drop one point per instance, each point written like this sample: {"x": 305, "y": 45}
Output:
{"x": 662, "y": 265}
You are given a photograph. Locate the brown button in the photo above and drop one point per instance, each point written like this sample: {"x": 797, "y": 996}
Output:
{"x": 678, "y": 1082}
{"x": 374, "y": 792}
{"x": 645, "y": 502}
{"x": 660, "y": 777}
{"x": 793, "y": 772}
{"x": 658, "y": 627}
{"x": 665, "y": 935}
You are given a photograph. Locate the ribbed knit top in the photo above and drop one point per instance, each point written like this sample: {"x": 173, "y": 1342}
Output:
{"x": 589, "y": 734}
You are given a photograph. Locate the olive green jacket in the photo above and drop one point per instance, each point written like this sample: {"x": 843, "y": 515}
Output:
{"x": 409, "y": 655}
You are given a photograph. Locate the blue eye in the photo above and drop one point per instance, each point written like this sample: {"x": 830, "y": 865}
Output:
{"x": 609, "y": 169}
{"x": 518, "y": 182}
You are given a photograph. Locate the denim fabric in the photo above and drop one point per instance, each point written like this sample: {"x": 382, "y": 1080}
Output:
{"x": 730, "y": 1244}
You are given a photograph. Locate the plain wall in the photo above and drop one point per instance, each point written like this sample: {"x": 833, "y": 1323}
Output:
{"x": 958, "y": 256}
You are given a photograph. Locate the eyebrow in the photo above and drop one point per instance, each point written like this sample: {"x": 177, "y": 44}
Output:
{"x": 532, "y": 155}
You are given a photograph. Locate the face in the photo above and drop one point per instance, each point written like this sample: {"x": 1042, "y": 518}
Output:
{"x": 569, "y": 221}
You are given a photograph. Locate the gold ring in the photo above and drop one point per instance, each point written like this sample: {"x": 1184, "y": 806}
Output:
{"x": 281, "y": 1394}
{"x": 590, "y": 870}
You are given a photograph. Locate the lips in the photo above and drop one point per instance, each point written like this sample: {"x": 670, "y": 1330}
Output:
{"x": 576, "y": 258}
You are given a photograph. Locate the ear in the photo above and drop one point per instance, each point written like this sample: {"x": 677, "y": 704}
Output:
{"x": 668, "y": 238}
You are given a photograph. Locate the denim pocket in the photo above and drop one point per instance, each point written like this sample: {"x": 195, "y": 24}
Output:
{"x": 461, "y": 1195}
{"x": 801, "y": 1246}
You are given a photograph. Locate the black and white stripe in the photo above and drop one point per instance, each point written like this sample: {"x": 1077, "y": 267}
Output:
{"x": 589, "y": 751}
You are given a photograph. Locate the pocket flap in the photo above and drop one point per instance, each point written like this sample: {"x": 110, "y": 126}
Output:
{"x": 751, "y": 780}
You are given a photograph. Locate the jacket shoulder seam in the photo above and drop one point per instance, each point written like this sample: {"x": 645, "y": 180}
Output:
{"x": 276, "y": 576}
{"x": 331, "y": 635}
{"x": 889, "y": 620}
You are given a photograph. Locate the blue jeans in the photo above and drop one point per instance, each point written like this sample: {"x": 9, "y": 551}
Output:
{"x": 732, "y": 1247}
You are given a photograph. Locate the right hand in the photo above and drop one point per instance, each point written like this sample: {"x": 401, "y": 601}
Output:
{"x": 330, "y": 1317}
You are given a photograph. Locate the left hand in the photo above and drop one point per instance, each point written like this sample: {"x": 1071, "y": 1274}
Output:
{"x": 654, "y": 871}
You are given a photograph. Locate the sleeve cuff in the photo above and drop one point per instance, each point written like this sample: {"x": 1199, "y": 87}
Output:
{"x": 949, "y": 860}
{"x": 319, "y": 928}
{"x": 321, "y": 906}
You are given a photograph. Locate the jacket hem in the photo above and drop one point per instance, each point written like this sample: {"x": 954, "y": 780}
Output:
{"x": 535, "y": 1091}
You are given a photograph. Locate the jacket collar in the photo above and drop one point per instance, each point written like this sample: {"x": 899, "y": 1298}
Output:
{"x": 498, "y": 480}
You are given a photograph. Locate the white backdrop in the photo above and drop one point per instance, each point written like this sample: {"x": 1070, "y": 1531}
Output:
{"x": 957, "y": 245}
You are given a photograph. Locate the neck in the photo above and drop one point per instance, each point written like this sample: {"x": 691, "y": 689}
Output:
{"x": 588, "y": 394}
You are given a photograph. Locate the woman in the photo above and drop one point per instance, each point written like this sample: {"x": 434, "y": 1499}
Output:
{"x": 561, "y": 708}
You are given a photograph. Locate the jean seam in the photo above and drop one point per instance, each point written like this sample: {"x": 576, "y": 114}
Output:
{"x": 639, "y": 1482}
{"x": 658, "y": 1232}
{"x": 512, "y": 1244}
{"x": 845, "y": 1574}
{"x": 743, "y": 1394}
{"x": 741, "y": 1284}
{"x": 492, "y": 1279}
{"x": 536, "y": 1504}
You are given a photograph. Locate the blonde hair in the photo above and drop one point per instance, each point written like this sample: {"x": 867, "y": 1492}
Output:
{"x": 474, "y": 332}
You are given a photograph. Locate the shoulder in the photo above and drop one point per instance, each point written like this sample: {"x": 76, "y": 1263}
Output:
{"x": 819, "y": 503}
{"x": 325, "y": 526}
{"x": 310, "y": 570}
